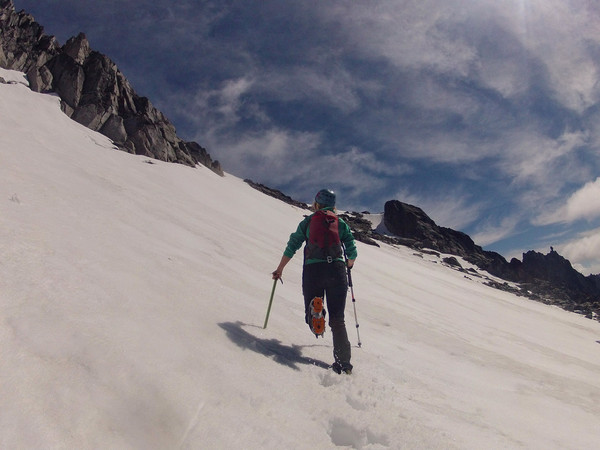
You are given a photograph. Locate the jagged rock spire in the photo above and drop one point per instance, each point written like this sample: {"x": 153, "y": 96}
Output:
{"x": 92, "y": 90}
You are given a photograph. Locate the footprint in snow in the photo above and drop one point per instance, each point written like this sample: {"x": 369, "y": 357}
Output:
{"x": 343, "y": 434}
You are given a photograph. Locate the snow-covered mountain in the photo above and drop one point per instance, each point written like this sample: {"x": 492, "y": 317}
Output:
{"x": 132, "y": 298}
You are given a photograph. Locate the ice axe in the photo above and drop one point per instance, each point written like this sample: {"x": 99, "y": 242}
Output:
{"x": 271, "y": 301}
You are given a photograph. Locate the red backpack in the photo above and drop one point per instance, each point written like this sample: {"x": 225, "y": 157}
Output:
{"x": 323, "y": 237}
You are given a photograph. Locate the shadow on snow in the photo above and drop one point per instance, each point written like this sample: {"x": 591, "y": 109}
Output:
{"x": 286, "y": 355}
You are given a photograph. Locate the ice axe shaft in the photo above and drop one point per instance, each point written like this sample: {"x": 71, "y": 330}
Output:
{"x": 270, "y": 302}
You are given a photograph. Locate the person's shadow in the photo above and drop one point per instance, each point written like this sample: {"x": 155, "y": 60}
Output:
{"x": 287, "y": 355}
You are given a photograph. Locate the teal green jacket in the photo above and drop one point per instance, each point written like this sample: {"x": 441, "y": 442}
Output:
{"x": 298, "y": 237}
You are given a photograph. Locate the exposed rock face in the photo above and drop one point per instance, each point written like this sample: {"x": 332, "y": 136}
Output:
{"x": 550, "y": 277}
{"x": 418, "y": 230}
{"x": 275, "y": 193}
{"x": 547, "y": 278}
{"x": 411, "y": 222}
{"x": 361, "y": 228}
{"x": 92, "y": 90}
{"x": 559, "y": 277}
{"x": 23, "y": 43}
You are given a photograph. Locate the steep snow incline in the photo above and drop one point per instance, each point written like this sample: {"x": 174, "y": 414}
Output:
{"x": 132, "y": 298}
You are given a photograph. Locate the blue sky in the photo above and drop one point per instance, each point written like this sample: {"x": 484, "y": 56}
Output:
{"x": 485, "y": 114}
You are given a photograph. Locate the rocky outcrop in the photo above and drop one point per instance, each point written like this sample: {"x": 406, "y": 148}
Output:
{"x": 361, "y": 228}
{"x": 418, "y": 230}
{"x": 92, "y": 90}
{"x": 411, "y": 222}
{"x": 23, "y": 44}
{"x": 546, "y": 278}
{"x": 275, "y": 193}
{"x": 553, "y": 276}
{"x": 549, "y": 278}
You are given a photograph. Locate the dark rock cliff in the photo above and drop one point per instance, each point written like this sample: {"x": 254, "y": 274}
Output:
{"x": 92, "y": 90}
{"x": 549, "y": 278}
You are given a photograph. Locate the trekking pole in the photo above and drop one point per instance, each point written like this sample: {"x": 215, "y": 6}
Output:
{"x": 352, "y": 292}
{"x": 271, "y": 301}
{"x": 353, "y": 304}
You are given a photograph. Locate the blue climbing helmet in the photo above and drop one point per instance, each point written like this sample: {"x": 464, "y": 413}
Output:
{"x": 325, "y": 198}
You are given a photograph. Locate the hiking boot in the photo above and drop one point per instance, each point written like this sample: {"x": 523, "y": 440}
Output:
{"x": 342, "y": 368}
{"x": 316, "y": 321}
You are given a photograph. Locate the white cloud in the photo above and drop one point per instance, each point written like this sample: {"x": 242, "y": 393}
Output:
{"x": 448, "y": 36}
{"x": 451, "y": 209}
{"x": 369, "y": 161}
{"x": 493, "y": 232}
{"x": 229, "y": 96}
{"x": 274, "y": 154}
{"x": 560, "y": 34}
{"x": 531, "y": 158}
{"x": 537, "y": 169}
{"x": 279, "y": 156}
{"x": 326, "y": 83}
{"x": 218, "y": 107}
{"x": 456, "y": 63}
{"x": 583, "y": 204}
{"x": 410, "y": 34}
{"x": 584, "y": 252}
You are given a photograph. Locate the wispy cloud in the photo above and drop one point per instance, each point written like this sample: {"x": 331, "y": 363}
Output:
{"x": 585, "y": 251}
{"x": 488, "y": 233}
{"x": 485, "y": 113}
{"x": 582, "y": 204}
{"x": 452, "y": 209}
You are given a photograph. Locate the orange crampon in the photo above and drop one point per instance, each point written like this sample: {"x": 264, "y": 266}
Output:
{"x": 317, "y": 320}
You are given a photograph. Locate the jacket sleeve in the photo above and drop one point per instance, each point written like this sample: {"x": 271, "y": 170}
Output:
{"x": 347, "y": 239}
{"x": 297, "y": 238}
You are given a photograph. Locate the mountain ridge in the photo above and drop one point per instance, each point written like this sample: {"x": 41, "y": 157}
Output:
{"x": 549, "y": 278}
{"x": 93, "y": 90}
{"x": 96, "y": 94}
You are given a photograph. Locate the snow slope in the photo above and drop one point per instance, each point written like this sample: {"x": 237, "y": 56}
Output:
{"x": 132, "y": 298}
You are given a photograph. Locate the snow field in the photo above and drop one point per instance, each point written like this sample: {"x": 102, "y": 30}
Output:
{"x": 132, "y": 299}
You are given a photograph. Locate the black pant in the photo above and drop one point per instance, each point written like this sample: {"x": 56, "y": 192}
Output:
{"x": 330, "y": 280}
